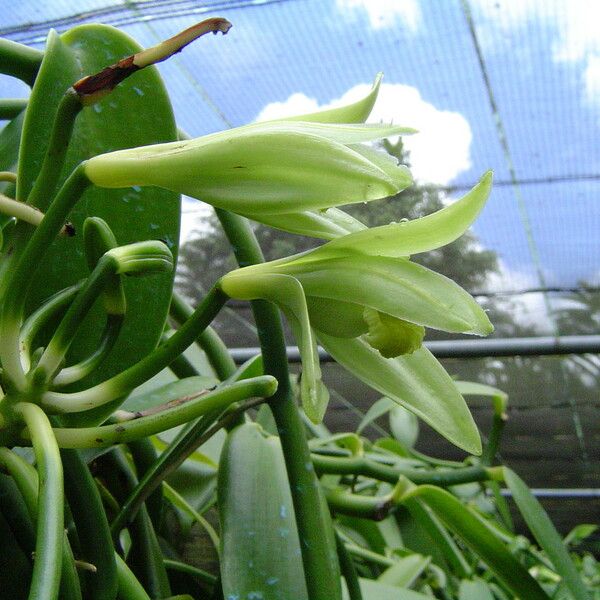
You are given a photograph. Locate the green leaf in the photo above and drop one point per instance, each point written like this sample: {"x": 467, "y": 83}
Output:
{"x": 260, "y": 549}
{"x": 477, "y": 589}
{"x": 133, "y": 215}
{"x": 406, "y": 571}
{"x": 373, "y": 590}
{"x": 545, "y": 534}
{"x": 416, "y": 381}
{"x": 380, "y": 408}
{"x": 471, "y": 388}
{"x": 479, "y": 539}
{"x": 169, "y": 392}
{"x": 404, "y": 426}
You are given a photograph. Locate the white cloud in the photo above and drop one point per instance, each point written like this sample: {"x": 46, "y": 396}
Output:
{"x": 528, "y": 310}
{"x": 572, "y": 23}
{"x": 385, "y": 13}
{"x": 438, "y": 153}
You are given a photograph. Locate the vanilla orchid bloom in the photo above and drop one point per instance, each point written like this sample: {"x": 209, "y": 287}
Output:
{"x": 287, "y": 173}
{"x": 361, "y": 291}
{"x": 271, "y": 169}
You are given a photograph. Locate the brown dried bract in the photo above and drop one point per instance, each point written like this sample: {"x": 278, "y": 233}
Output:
{"x": 93, "y": 87}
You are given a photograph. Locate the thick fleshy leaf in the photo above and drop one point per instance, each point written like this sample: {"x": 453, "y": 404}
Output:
{"x": 404, "y": 426}
{"x": 269, "y": 169}
{"x": 380, "y": 408}
{"x": 416, "y": 381}
{"x": 477, "y": 589}
{"x": 357, "y": 112}
{"x": 545, "y": 534}
{"x": 134, "y": 214}
{"x": 405, "y": 572}
{"x": 419, "y": 235}
{"x": 260, "y": 549}
{"x": 374, "y": 590}
{"x": 287, "y": 293}
{"x": 399, "y": 288}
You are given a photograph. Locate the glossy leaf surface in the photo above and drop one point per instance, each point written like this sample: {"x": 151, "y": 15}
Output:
{"x": 138, "y": 112}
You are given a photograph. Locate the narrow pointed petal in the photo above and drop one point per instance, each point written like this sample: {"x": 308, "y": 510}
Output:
{"x": 397, "y": 287}
{"x": 324, "y": 224}
{"x": 416, "y": 381}
{"x": 287, "y": 293}
{"x": 357, "y": 112}
{"x": 420, "y": 235}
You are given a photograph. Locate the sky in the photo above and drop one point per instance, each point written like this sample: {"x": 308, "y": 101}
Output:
{"x": 539, "y": 68}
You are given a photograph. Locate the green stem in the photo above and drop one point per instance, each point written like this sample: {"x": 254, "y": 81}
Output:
{"x": 216, "y": 351}
{"x": 54, "y": 159}
{"x": 93, "y": 532}
{"x": 110, "y": 334}
{"x": 374, "y": 508}
{"x": 144, "y": 556}
{"x": 491, "y": 448}
{"x": 11, "y": 108}
{"x": 202, "y": 576}
{"x": 47, "y": 566}
{"x": 149, "y": 366}
{"x": 359, "y": 465}
{"x": 144, "y": 456}
{"x": 348, "y": 570}
{"x": 127, "y": 431}
{"x": 19, "y": 61}
{"x": 317, "y": 556}
{"x": 38, "y": 319}
{"x": 191, "y": 436}
{"x": 56, "y": 350}
{"x": 21, "y": 276}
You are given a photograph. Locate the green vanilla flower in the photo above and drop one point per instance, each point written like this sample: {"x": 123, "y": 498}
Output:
{"x": 363, "y": 286}
{"x": 289, "y": 174}
{"x": 268, "y": 169}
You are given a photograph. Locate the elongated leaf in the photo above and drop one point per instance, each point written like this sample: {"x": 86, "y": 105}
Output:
{"x": 477, "y": 589}
{"x": 380, "y": 408}
{"x": 545, "y": 534}
{"x": 406, "y": 571}
{"x": 416, "y": 381}
{"x": 480, "y": 540}
{"x": 260, "y": 549}
{"x": 138, "y": 112}
{"x": 373, "y": 590}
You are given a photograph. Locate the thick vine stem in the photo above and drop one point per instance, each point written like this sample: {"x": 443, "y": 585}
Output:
{"x": 209, "y": 341}
{"x": 358, "y": 465}
{"x": 20, "y": 278}
{"x": 321, "y": 579}
{"x": 11, "y": 108}
{"x": 19, "y": 61}
{"x": 182, "y": 412}
{"x": 47, "y": 566}
{"x": 149, "y": 366}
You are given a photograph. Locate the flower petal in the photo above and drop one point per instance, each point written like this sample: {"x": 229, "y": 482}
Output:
{"x": 394, "y": 286}
{"x": 416, "y": 381}
{"x": 287, "y": 293}
{"x": 358, "y": 112}
{"x": 325, "y": 224}
{"x": 252, "y": 170}
{"x": 419, "y": 235}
